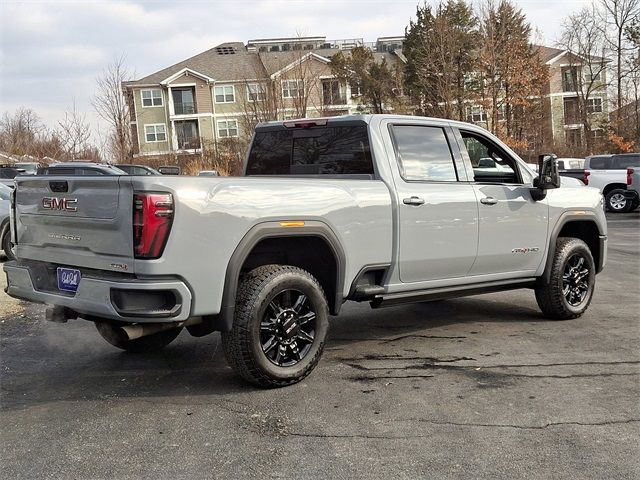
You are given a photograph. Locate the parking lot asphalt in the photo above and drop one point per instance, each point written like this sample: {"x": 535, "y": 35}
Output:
{"x": 479, "y": 387}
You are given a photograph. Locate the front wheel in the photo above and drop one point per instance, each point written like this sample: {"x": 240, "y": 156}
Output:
{"x": 617, "y": 202}
{"x": 571, "y": 283}
{"x": 280, "y": 324}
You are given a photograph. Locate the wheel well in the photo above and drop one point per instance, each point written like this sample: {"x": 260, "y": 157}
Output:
{"x": 586, "y": 231}
{"x": 613, "y": 186}
{"x": 310, "y": 253}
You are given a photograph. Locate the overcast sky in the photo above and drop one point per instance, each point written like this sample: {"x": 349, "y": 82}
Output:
{"x": 52, "y": 51}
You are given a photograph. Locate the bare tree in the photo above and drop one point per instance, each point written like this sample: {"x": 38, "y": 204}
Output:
{"x": 19, "y": 131}
{"x": 74, "y": 133}
{"x": 112, "y": 105}
{"x": 618, "y": 17}
{"x": 583, "y": 37}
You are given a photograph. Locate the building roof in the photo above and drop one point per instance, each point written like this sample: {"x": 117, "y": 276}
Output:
{"x": 548, "y": 53}
{"x": 231, "y": 61}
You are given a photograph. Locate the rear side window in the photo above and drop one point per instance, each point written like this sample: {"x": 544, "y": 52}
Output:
{"x": 600, "y": 163}
{"x": 625, "y": 161}
{"x": 316, "y": 151}
{"x": 423, "y": 153}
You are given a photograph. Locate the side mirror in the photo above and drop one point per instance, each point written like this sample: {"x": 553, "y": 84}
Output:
{"x": 548, "y": 176}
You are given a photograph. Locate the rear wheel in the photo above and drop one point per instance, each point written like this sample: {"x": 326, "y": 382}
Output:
{"x": 617, "y": 202}
{"x": 280, "y": 325}
{"x": 151, "y": 343}
{"x": 571, "y": 283}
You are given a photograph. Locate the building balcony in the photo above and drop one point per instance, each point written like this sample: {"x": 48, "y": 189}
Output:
{"x": 192, "y": 143}
{"x": 184, "y": 108}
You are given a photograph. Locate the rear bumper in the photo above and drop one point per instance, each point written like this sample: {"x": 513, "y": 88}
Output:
{"x": 103, "y": 297}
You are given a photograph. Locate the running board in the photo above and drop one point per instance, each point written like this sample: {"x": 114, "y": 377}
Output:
{"x": 450, "y": 292}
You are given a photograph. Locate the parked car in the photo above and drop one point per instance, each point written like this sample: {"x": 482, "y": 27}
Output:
{"x": 208, "y": 173}
{"x": 169, "y": 170}
{"x": 29, "y": 168}
{"x": 138, "y": 169}
{"x": 608, "y": 173}
{"x": 8, "y": 173}
{"x": 5, "y": 230}
{"x": 385, "y": 209}
{"x": 81, "y": 168}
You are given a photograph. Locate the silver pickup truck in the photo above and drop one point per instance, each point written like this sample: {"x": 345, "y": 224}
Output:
{"x": 379, "y": 208}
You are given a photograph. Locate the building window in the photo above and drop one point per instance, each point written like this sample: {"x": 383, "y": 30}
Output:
{"x": 151, "y": 98}
{"x": 476, "y": 113}
{"x": 356, "y": 89}
{"x": 225, "y": 94}
{"x": 292, "y": 88}
{"x": 569, "y": 79}
{"x": 571, "y": 111}
{"x": 156, "y": 132}
{"x": 331, "y": 94}
{"x": 227, "y": 128}
{"x": 594, "y": 105}
{"x": 256, "y": 92}
{"x": 574, "y": 138}
{"x": 593, "y": 77}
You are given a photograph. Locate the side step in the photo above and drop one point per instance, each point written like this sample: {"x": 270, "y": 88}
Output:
{"x": 450, "y": 292}
{"x": 367, "y": 292}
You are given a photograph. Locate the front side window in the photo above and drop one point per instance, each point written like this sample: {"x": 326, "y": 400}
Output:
{"x": 489, "y": 163}
{"x": 292, "y": 88}
{"x": 228, "y": 128}
{"x": 155, "y": 133}
{"x": 256, "y": 92}
{"x": 225, "y": 94}
{"x": 423, "y": 153}
{"x": 151, "y": 98}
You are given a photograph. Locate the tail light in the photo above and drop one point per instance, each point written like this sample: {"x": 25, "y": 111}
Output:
{"x": 152, "y": 219}
{"x": 585, "y": 177}
{"x": 630, "y": 172}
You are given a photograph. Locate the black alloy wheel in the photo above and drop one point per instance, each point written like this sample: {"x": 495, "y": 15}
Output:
{"x": 288, "y": 328}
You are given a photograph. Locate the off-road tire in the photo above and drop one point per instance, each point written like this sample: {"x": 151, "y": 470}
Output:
{"x": 243, "y": 347}
{"x": 6, "y": 243}
{"x": 150, "y": 343}
{"x": 550, "y": 296}
{"x": 614, "y": 202}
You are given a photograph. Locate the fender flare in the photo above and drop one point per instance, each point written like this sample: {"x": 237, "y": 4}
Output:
{"x": 564, "y": 219}
{"x": 273, "y": 229}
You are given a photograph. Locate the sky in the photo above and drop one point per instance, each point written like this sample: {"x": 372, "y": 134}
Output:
{"x": 52, "y": 51}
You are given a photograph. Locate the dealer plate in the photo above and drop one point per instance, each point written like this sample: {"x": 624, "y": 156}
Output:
{"x": 68, "y": 279}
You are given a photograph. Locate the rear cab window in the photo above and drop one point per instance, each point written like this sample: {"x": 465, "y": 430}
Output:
{"x": 339, "y": 149}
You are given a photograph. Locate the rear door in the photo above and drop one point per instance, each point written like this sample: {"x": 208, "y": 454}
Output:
{"x": 438, "y": 213}
{"x": 76, "y": 220}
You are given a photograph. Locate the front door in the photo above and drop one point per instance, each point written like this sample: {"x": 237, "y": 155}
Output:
{"x": 438, "y": 213}
{"x": 513, "y": 227}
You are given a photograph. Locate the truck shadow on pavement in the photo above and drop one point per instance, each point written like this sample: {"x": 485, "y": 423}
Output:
{"x": 44, "y": 362}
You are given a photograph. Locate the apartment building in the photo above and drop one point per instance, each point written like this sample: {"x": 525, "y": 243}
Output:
{"x": 210, "y": 97}
{"x": 219, "y": 94}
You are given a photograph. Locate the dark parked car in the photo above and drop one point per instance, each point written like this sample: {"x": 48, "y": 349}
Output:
{"x": 8, "y": 173}
{"x": 81, "y": 168}
{"x": 138, "y": 169}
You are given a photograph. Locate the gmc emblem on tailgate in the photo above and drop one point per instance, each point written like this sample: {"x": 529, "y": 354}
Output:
{"x": 62, "y": 204}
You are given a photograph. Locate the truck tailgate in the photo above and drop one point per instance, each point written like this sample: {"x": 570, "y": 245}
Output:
{"x": 79, "y": 221}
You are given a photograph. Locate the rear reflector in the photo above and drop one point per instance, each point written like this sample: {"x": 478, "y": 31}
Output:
{"x": 585, "y": 177}
{"x": 630, "y": 172}
{"x": 152, "y": 218}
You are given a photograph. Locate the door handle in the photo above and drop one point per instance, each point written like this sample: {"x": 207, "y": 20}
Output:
{"x": 413, "y": 201}
{"x": 489, "y": 201}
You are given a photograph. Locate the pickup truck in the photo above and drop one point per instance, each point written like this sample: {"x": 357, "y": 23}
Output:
{"x": 378, "y": 208}
{"x": 608, "y": 173}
